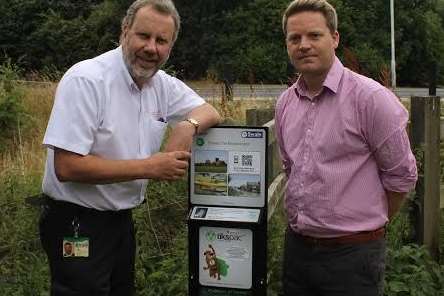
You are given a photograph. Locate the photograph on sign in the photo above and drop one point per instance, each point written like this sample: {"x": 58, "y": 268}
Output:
{"x": 199, "y": 213}
{"x": 225, "y": 257}
{"x": 228, "y": 168}
{"x": 210, "y": 161}
{"x": 210, "y": 184}
{"x": 244, "y": 185}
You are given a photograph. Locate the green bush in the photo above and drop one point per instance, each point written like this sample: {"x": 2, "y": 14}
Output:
{"x": 23, "y": 268}
{"x": 276, "y": 236}
{"x": 161, "y": 257}
{"x": 11, "y": 107}
{"x": 412, "y": 272}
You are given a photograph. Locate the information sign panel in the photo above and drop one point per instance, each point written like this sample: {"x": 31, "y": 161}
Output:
{"x": 228, "y": 167}
{"x": 227, "y": 225}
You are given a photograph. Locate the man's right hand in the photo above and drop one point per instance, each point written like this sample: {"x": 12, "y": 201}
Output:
{"x": 167, "y": 165}
{"x": 91, "y": 169}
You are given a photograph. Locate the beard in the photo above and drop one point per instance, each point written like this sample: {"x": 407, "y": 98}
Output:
{"x": 137, "y": 72}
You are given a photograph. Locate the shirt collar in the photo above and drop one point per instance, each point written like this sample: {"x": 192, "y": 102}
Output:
{"x": 331, "y": 81}
{"x": 334, "y": 75}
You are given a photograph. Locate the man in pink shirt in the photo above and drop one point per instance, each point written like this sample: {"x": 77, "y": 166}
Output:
{"x": 348, "y": 161}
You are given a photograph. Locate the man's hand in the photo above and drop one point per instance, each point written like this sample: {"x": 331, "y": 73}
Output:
{"x": 168, "y": 165}
{"x": 395, "y": 201}
{"x": 91, "y": 169}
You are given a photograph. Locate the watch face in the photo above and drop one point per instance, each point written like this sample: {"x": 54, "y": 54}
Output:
{"x": 193, "y": 122}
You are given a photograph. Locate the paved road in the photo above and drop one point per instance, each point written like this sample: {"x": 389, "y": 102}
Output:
{"x": 270, "y": 91}
{"x": 405, "y": 92}
{"x": 262, "y": 91}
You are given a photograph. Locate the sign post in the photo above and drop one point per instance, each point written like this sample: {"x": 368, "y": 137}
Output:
{"x": 227, "y": 222}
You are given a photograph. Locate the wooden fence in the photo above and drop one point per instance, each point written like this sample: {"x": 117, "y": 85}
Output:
{"x": 276, "y": 178}
{"x": 425, "y": 138}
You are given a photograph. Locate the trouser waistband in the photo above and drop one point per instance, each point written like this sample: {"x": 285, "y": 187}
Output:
{"x": 75, "y": 208}
{"x": 356, "y": 238}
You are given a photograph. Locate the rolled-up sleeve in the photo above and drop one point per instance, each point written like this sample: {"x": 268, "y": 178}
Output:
{"x": 397, "y": 164}
{"x": 387, "y": 136}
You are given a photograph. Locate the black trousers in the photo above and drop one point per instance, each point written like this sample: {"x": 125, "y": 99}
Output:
{"x": 109, "y": 268}
{"x": 337, "y": 270}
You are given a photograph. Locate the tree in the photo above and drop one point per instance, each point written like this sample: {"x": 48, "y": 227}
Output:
{"x": 419, "y": 41}
{"x": 228, "y": 40}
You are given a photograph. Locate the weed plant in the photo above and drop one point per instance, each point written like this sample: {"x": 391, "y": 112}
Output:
{"x": 276, "y": 235}
{"x": 411, "y": 271}
{"x": 11, "y": 107}
{"x": 23, "y": 268}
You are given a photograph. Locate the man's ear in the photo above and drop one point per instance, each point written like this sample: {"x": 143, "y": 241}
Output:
{"x": 123, "y": 33}
{"x": 336, "y": 38}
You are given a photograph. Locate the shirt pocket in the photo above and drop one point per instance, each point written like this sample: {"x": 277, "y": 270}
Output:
{"x": 156, "y": 133}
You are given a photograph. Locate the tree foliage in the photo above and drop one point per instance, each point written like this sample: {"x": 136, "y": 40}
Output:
{"x": 12, "y": 113}
{"x": 237, "y": 40}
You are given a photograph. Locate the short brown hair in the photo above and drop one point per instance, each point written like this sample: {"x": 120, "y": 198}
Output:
{"x": 321, "y": 6}
{"x": 163, "y": 6}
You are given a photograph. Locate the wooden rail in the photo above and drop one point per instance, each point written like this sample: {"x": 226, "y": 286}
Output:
{"x": 276, "y": 178}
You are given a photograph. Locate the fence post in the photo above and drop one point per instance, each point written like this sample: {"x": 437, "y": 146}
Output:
{"x": 257, "y": 117}
{"x": 251, "y": 117}
{"x": 276, "y": 179}
{"x": 425, "y": 133}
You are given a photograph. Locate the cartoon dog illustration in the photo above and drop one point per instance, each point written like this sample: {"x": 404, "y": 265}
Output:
{"x": 211, "y": 260}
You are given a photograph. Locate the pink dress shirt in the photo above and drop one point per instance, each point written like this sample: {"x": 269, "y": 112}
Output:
{"x": 341, "y": 151}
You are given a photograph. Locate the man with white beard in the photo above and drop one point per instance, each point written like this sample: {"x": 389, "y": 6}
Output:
{"x": 103, "y": 137}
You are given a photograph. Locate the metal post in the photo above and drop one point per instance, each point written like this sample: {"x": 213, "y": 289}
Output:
{"x": 392, "y": 27}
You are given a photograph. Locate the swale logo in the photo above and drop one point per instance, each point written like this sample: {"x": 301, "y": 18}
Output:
{"x": 200, "y": 141}
{"x": 211, "y": 236}
{"x": 252, "y": 134}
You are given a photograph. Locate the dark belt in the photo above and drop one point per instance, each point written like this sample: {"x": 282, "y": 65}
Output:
{"x": 356, "y": 238}
{"x": 69, "y": 207}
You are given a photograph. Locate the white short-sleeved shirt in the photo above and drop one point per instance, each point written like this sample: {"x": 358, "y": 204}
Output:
{"x": 99, "y": 110}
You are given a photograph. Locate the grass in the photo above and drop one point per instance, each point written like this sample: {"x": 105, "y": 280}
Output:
{"x": 441, "y": 239}
{"x": 161, "y": 266}
{"x": 161, "y": 221}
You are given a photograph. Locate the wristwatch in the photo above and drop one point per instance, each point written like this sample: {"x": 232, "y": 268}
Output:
{"x": 194, "y": 122}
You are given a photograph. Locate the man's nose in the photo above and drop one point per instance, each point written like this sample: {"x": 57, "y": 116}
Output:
{"x": 150, "y": 45}
{"x": 304, "y": 44}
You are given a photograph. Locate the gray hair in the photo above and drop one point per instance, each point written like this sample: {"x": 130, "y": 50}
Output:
{"x": 162, "y": 6}
{"x": 321, "y": 6}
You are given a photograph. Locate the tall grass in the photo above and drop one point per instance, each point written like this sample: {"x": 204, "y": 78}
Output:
{"x": 23, "y": 268}
{"x": 161, "y": 265}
